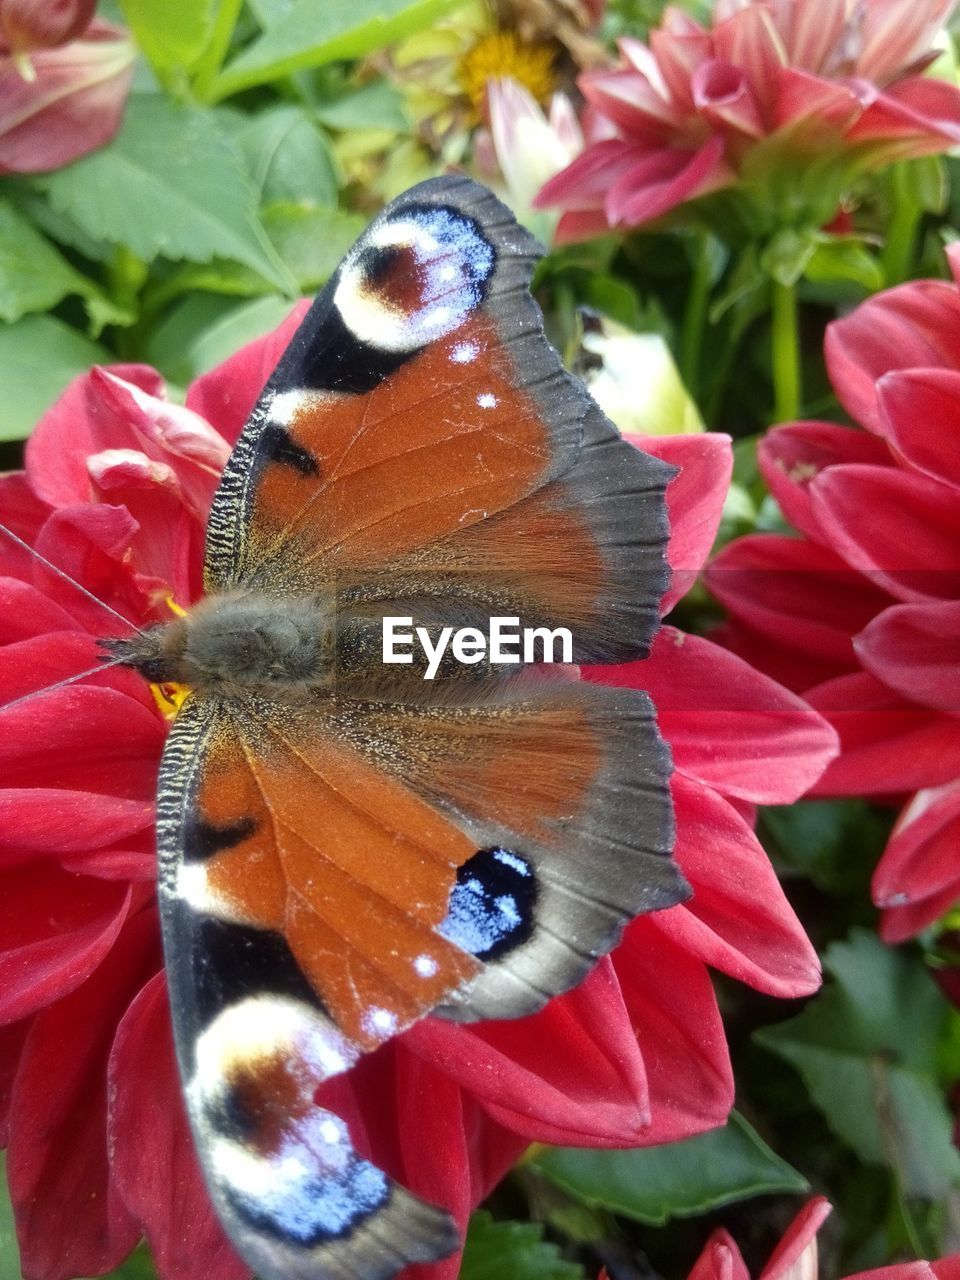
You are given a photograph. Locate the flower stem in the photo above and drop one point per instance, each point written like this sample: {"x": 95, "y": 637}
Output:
{"x": 695, "y": 316}
{"x": 216, "y": 51}
{"x": 786, "y": 353}
{"x": 897, "y": 255}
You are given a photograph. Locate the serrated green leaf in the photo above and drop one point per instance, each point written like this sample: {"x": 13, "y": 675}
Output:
{"x": 206, "y": 328}
{"x": 497, "y": 1250}
{"x": 170, "y": 33}
{"x": 866, "y": 1049}
{"x": 38, "y": 357}
{"x": 834, "y": 842}
{"x": 311, "y": 241}
{"x": 33, "y": 275}
{"x": 653, "y": 1184}
{"x": 9, "y": 1253}
{"x": 171, "y": 183}
{"x": 312, "y": 34}
{"x": 288, "y": 157}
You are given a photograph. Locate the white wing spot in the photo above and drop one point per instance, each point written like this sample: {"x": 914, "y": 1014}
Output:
{"x": 486, "y": 400}
{"x": 425, "y": 965}
{"x": 464, "y": 352}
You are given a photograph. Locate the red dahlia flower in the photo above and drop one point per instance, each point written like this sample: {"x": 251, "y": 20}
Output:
{"x": 790, "y": 99}
{"x": 58, "y": 103}
{"x": 795, "y": 1257}
{"x": 115, "y": 492}
{"x": 42, "y": 24}
{"x": 865, "y": 606}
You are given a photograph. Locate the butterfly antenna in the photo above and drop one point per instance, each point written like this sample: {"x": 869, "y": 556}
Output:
{"x": 60, "y": 684}
{"x": 72, "y": 581}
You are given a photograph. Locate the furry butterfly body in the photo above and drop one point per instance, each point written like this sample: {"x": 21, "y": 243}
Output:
{"x": 346, "y": 847}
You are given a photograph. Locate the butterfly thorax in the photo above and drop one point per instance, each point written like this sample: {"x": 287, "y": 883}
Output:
{"x": 238, "y": 646}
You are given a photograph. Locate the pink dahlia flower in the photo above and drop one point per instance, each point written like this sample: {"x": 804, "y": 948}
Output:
{"x": 862, "y": 612}
{"x": 789, "y": 99}
{"x": 116, "y": 489}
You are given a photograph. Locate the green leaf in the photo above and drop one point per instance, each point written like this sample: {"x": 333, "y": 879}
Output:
{"x": 378, "y": 105}
{"x": 38, "y": 357}
{"x": 312, "y": 34}
{"x": 497, "y": 1250}
{"x": 9, "y": 1253}
{"x": 844, "y": 258}
{"x": 311, "y": 241}
{"x": 139, "y": 1266}
{"x": 786, "y": 256}
{"x": 653, "y": 1184}
{"x": 206, "y": 328}
{"x": 171, "y": 183}
{"x": 170, "y": 33}
{"x": 866, "y": 1049}
{"x": 834, "y": 842}
{"x": 288, "y": 157}
{"x": 33, "y": 275}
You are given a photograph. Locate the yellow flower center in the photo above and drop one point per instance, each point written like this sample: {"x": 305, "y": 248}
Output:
{"x": 501, "y": 54}
{"x": 169, "y": 698}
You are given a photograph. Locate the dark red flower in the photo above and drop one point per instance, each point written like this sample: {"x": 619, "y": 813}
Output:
{"x": 26, "y": 25}
{"x": 862, "y": 613}
{"x": 775, "y": 96}
{"x": 58, "y": 103}
{"x": 115, "y": 492}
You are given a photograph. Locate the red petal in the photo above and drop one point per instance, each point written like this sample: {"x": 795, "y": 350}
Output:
{"x": 681, "y": 1035}
{"x": 738, "y": 920}
{"x": 83, "y": 421}
{"x": 791, "y": 456}
{"x": 584, "y": 183}
{"x": 23, "y": 514}
{"x": 916, "y": 325}
{"x": 638, "y": 108}
{"x": 70, "y": 1219}
{"x": 942, "y": 1269}
{"x": 919, "y": 867}
{"x": 728, "y": 726}
{"x": 95, "y": 740}
{"x": 56, "y": 929}
{"x": 226, "y": 395}
{"x": 915, "y": 649}
{"x": 35, "y": 820}
{"x": 72, "y": 105}
{"x": 720, "y": 1259}
{"x": 921, "y": 410}
{"x": 887, "y": 745}
{"x": 798, "y": 594}
{"x": 808, "y": 101}
{"x": 901, "y": 528}
{"x": 12, "y": 1040}
{"x": 26, "y": 612}
{"x": 750, "y": 39}
{"x": 155, "y": 1168}
{"x": 695, "y": 500}
{"x": 664, "y": 179}
{"x": 571, "y": 1074}
{"x": 792, "y": 668}
{"x": 785, "y": 1261}
{"x": 912, "y": 118}
{"x": 722, "y": 94}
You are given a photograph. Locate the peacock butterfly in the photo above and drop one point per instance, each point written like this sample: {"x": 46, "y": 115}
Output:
{"x": 346, "y": 846}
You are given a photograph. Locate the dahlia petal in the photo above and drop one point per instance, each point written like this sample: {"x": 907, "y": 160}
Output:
{"x": 97, "y": 740}
{"x": 695, "y": 500}
{"x": 814, "y": 32}
{"x": 943, "y": 1269}
{"x": 921, "y": 412}
{"x": 749, "y": 38}
{"x": 897, "y": 32}
{"x": 916, "y": 325}
{"x": 571, "y": 1074}
{"x": 73, "y": 104}
{"x": 919, "y": 865}
{"x": 887, "y": 745}
{"x": 584, "y": 183}
{"x": 798, "y": 594}
{"x": 56, "y": 929}
{"x": 89, "y": 420}
{"x": 791, "y": 456}
{"x": 54, "y": 820}
{"x": 678, "y": 53}
{"x": 225, "y": 396}
{"x": 29, "y": 614}
{"x": 33, "y": 665}
{"x": 70, "y": 1219}
{"x": 914, "y": 118}
{"x": 720, "y": 1259}
{"x": 804, "y": 99}
{"x": 792, "y": 668}
{"x": 738, "y": 920}
{"x": 665, "y": 179}
{"x": 722, "y": 94}
{"x": 12, "y": 1039}
{"x": 901, "y": 529}
{"x": 576, "y": 226}
{"x": 915, "y": 649}
{"x": 23, "y": 513}
{"x": 728, "y": 726}
{"x": 681, "y": 1034}
{"x": 787, "y": 1262}
{"x": 639, "y": 108}
{"x": 157, "y": 1175}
